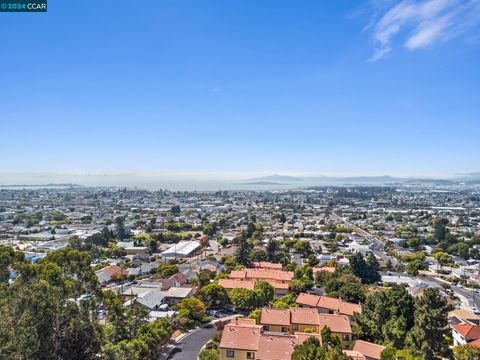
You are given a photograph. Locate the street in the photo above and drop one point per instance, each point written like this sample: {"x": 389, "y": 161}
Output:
{"x": 189, "y": 347}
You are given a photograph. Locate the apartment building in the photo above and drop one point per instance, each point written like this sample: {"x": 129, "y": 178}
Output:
{"x": 242, "y": 339}
{"x": 246, "y": 278}
{"x": 328, "y": 305}
{"x": 305, "y": 320}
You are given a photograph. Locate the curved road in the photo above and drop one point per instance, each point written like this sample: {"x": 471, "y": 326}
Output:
{"x": 189, "y": 347}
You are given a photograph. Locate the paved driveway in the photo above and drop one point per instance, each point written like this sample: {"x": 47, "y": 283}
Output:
{"x": 189, "y": 347}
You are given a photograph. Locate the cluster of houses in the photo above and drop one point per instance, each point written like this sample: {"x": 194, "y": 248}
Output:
{"x": 262, "y": 271}
{"x": 280, "y": 331}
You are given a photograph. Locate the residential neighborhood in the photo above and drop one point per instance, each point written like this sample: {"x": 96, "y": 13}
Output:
{"x": 267, "y": 267}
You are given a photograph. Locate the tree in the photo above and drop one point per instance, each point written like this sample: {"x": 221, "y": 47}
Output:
{"x": 387, "y": 316}
{"x": 242, "y": 254}
{"x": 243, "y": 298}
{"x": 303, "y": 247}
{"x": 208, "y": 354}
{"x": 273, "y": 249}
{"x": 175, "y": 210}
{"x": 39, "y": 320}
{"x": 368, "y": 270}
{"x": 258, "y": 255}
{"x": 166, "y": 270}
{"x": 443, "y": 258}
{"x": 145, "y": 344}
{"x": 265, "y": 292}
{"x": 191, "y": 312}
{"x": 373, "y": 267}
{"x": 413, "y": 267}
{"x": 311, "y": 349}
{"x": 440, "y": 228}
{"x": 391, "y": 353}
{"x": 213, "y": 296}
{"x": 466, "y": 352}
{"x": 351, "y": 292}
{"x": 427, "y": 337}
{"x": 414, "y": 243}
{"x": 257, "y": 315}
{"x": 120, "y": 228}
{"x": 210, "y": 229}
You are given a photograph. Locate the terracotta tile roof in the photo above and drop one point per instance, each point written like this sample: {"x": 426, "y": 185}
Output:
{"x": 276, "y": 347}
{"x": 240, "y": 336}
{"x": 267, "y": 265}
{"x": 307, "y": 299}
{"x": 336, "y": 323}
{"x": 469, "y": 332}
{"x": 233, "y": 283}
{"x": 275, "y": 317}
{"x": 370, "y": 350}
{"x": 280, "y": 347}
{"x": 269, "y": 274}
{"x": 277, "y": 285}
{"x": 475, "y": 343}
{"x": 328, "y": 303}
{"x": 349, "y": 308}
{"x": 238, "y": 274}
{"x": 302, "y": 337}
{"x": 325, "y": 302}
{"x": 113, "y": 270}
{"x": 305, "y": 316}
{"x": 355, "y": 355}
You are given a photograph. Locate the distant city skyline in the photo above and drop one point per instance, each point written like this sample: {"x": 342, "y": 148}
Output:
{"x": 218, "y": 89}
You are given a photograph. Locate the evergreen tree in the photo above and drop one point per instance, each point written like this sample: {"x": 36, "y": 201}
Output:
{"x": 427, "y": 337}
{"x": 120, "y": 228}
{"x": 242, "y": 254}
{"x": 373, "y": 268}
{"x": 387, "y": 316}
{"x": 273, "y": 249}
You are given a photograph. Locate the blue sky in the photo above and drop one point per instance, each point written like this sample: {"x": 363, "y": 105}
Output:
{"x": 242, "y": 86}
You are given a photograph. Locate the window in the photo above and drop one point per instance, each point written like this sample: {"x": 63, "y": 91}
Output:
{"x": 250, "y": 355}
{"x": 266, "y": 328}
{"x": 284, "y": 329}
{"x": 295, "y": 327}
{"x": 230, "y": 353}
{"x": 346, "y": 337}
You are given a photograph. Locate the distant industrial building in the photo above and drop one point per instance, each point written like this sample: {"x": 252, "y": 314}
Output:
{"x": 181, "y": 249}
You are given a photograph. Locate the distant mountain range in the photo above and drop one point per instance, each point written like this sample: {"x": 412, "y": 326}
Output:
{"x": 277, "y": 178}
{"x": 471, "y": 178}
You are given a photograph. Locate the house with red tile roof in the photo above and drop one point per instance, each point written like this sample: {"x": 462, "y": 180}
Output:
{"x": 465, "y": 333}
{"x": 306, "y": 321}
{"x": 243, "y": 339}
{"x": 109, "y": 273}
{"x": 369, "y": 350}
{"x": 280, "y": 280}
{"x": 328, "y": 305}
{"x": 266, "y": 265}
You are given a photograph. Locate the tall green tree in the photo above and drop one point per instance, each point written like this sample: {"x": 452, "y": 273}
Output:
{"x": 440, "y": 228}
{"x": 213, "y": 296}
{"x": 427, "y": 337}
{"x": 265, "y": 293}
{"x": 120, "y": 228}
{"x": 387, "y": 316}
{"x": 243, "y": 252}
{"x": 312, "y": 349}
{"x": 466, "y": 352}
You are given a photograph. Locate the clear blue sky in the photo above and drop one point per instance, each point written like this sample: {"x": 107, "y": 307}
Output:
{"x": 257, "y": 86}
